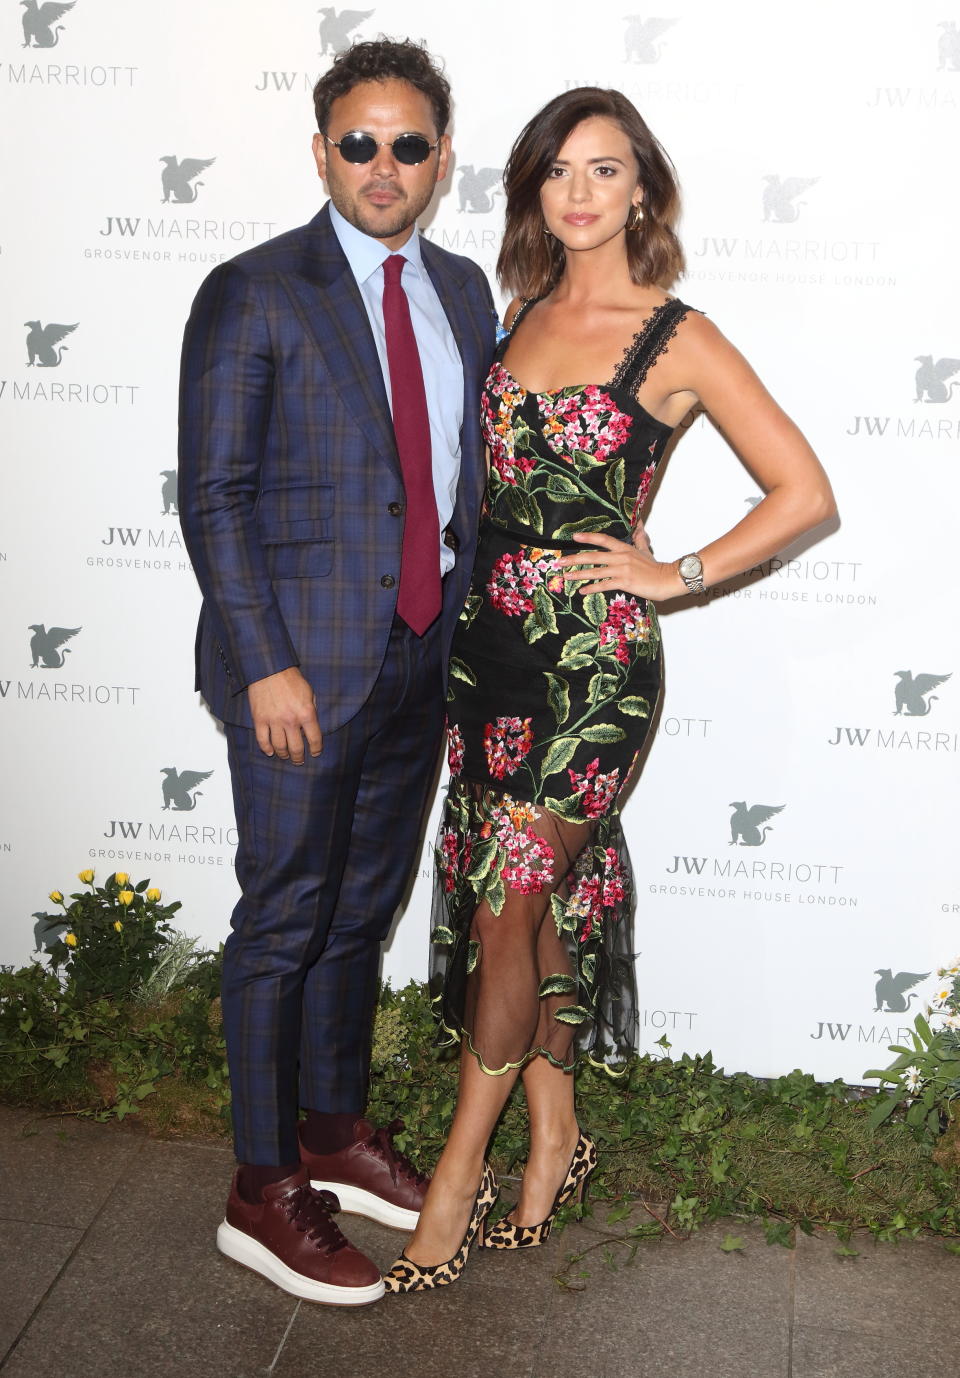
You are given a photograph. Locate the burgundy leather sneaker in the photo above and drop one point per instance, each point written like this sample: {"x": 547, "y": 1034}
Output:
{"x": 292, "y": 1238}
{"x": 371, "y": 1177}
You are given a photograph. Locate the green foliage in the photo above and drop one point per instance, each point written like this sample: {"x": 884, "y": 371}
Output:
{"x": 113, "y": 936}
{"x": 925, "y": 1077}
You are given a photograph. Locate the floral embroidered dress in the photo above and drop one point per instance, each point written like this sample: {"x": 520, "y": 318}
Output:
{"x": 551, "y": 695}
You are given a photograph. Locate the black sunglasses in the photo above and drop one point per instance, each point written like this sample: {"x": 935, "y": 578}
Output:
{"x": 357, "y": 147}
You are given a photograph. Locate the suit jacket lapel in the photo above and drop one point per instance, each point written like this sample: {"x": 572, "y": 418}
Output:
{"x": 328, "y": 302}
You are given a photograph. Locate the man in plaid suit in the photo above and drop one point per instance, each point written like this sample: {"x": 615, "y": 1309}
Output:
{"x": 294, "y": 489}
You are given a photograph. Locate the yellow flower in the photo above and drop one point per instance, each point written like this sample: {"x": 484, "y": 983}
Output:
{"x": 118, "y": 926}
{"x": 56, "y": 896}
{"x": 86, "y": 877}
{"x": 125, "y": 897}
{"x": 153, "y": 894}
{"x": 70, "y": 939}
{"x": 122, "y": 877}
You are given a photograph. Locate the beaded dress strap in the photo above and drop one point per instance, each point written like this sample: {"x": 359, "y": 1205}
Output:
{"x": 648, "y": 344}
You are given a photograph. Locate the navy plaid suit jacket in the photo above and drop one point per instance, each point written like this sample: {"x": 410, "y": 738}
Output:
{"x": 288, "y": 467}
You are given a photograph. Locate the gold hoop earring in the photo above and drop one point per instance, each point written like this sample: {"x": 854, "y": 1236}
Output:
{"x": 636, "y": 218}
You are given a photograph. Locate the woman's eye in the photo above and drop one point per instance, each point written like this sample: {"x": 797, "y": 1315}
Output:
{"x": 606, "y": 171}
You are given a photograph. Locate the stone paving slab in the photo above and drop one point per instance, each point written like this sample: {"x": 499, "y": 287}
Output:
{"x": 31, "y": 1256}
{"x": 57, "y": 1170}
{"x": 848, "y": 1354}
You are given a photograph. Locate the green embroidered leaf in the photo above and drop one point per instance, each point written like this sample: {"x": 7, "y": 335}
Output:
{"x": 473, "y": 955}
{"x": 483, "y": 855}
{"x": 558, "y": 755}
{"x": 578, "y": 662}
{"x": 584, "y": 524}
{"x": 589, "y": 967}
{"x": 564, "y": 808}
{"x": 571, "y": 1014}
{"x": 533, "y": 629}
{"x": 495, "y": 895}
{"x": 543, "y": 609}
{"x": 442, "y": 936}
{"x": 557, "y": 984}
{"x": 461, "y": 671}
{"x": 558, "y": 909}
{"x": 634, "y": 707}
{"x": 603, "y": 732}
{"x": 471, "y": 607}
{"x": 558, "y": 696}
{"x": 563, "y": 489}
{"x": 579, "y": 646}
{"x": 582, "y": 460}
{"x": 614, "y": 480}
{"x": 602, "y": 687}
{"x": 595, "y": 607}
{"x": 524, "y": 508}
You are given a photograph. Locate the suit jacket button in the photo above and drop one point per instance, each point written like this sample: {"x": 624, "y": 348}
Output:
{"x": 387, "y": 581}
{"x": 395, "y": 508}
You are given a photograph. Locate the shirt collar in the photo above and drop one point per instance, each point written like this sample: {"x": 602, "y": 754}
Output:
{"x": 366, "y": 254}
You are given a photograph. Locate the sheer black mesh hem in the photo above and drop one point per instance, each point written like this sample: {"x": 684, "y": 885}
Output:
{"x": 530, "y": 948}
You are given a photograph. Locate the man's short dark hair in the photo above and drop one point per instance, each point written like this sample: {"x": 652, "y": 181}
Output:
{"x": 383, "y": 59}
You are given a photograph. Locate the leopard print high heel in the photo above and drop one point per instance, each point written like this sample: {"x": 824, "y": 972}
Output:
{"x": 406, "y": 1276}
{"x": 505, "y": 1235}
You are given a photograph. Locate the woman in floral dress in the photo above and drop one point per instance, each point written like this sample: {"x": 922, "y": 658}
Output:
{"x": 556, "y": 665}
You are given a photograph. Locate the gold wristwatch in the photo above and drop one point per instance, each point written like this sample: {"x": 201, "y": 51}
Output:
{"x": 690, "y": 569}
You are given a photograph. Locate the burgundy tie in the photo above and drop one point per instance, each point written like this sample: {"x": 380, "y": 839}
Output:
{"x": 418, "y": 600}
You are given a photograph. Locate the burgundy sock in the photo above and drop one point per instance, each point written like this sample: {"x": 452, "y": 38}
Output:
{"x": 322, "y": 1133}
{"x": 254, "y": 1177}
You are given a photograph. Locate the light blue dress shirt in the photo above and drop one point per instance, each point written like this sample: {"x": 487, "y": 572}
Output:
{"x": 439, "y": 356}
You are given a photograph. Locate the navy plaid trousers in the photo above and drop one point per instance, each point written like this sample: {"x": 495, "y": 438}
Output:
{"x": 325, "y": 853}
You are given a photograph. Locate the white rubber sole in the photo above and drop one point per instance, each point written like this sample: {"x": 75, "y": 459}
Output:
{"x": 247, "y": 1251}
{"x": 356, "y": 1201}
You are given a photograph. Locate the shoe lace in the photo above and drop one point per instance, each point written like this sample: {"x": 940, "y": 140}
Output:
{"x": 398, "y": 1163}
{"x": 312, "y": 1212}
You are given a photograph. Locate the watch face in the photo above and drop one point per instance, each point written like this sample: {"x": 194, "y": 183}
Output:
{"x": 691, "y": 567}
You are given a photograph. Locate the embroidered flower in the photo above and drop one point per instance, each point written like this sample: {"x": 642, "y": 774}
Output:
{"x": 454, "y": 859}
{"x": 454, "y": 748}
{"x": 498, "y": 430}
{"x": 625, "y": 623}
{"x": 587, "y": 420}
{"x": 506, "y": 742}
{"x": 614, "y": 878}
{"x": 597, "y": 791}
{"x": 646, "y": 478}
{"x": 527, "y": 857}
{"x": 514, "y": 578}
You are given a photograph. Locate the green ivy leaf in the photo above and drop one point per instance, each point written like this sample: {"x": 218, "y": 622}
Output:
{"x": 558, "y": 755}
{"x": 460, "y": 670}
{"x": 571, "y": 1014}
{"x": 733, "y": 1244}
{"x": 603, "y": 732}
{"x": 595, "y": 607}
{"x": 563, "y": 489}
{"x": 595, "y": 523}
{"x": 634, "y": 706}
{"x": 543, "y": 609}
{"x": 614, "y": 480}
{"x": 557, "y": 984}
{"x": 558, "y": 696}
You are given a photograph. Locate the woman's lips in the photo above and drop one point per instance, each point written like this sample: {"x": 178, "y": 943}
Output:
{"x": 580, "y": 218}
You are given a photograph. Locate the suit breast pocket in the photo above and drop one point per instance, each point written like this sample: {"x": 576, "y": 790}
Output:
{"x": 295, "y": 524}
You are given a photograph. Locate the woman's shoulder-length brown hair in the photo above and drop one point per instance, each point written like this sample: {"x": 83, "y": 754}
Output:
{"x": 531, "y": 262}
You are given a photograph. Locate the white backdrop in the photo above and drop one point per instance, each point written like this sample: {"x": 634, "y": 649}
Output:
{"x": 816, "y": 146}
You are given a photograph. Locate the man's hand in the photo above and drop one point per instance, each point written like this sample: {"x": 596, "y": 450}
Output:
{"x": 284, "y": 713}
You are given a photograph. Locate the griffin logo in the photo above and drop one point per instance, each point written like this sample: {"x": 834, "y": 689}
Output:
{"x": 641, "y": 38}
{"x": 177, "y": 178}
{"x": 948, "y": 46}
{"x": 910, "y": 692}
{"x": 745, "y": 823}
{"x": 891, "y": 990}
{"x": 45, "y": 646}
{"x": 931, "y": 378}
{"x": 42, "y": 341}
{"x": 168, "y": 492}
{"x": 475, "y": 187}
{"x": 39, "y": 21}
{"x": 180, "y": 791}
{"x": 780, "y": 197}
{"x": 335, "y": 29}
